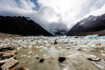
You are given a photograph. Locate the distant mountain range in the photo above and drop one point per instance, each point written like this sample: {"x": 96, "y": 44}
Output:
{"x": 24, "y": 26}
{"x": 58, "y": 32}
{"x": 89, "y": 26}
{"x": 21, "y": 26}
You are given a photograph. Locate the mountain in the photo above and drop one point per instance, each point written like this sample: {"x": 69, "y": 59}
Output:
{"x": 21, "y": 26}
{"x": 89, "y": 26}
{"x": 58, "y": 32}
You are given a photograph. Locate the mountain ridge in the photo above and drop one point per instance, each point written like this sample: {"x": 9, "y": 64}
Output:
{"x": 89, "y": 26}
{"x": 21, "y": 25}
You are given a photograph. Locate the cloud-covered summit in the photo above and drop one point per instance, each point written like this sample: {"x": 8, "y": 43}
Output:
{"x": 58, "y": 14}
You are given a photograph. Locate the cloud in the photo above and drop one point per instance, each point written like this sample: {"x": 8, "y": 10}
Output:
{"x": 59, "y": 14}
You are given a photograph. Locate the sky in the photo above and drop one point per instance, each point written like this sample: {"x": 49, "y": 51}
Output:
{"x": 53, "y": 14}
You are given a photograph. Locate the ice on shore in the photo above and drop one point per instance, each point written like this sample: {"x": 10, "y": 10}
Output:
{"x": 75, "y": 49}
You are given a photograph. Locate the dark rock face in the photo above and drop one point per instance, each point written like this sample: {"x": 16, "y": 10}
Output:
{"x": 89, "y": 26}
{"x": 21, "y": 26}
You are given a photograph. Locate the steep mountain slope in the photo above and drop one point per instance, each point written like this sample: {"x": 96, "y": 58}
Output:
{"x": 89, "y": 26}
{"x": 21, "y": 26}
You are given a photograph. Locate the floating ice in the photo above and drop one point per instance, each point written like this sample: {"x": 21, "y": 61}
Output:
{"x": 73, "y": 55}
{"x": 23, "y": 56}
{"x": 92, "y": 36}
{"x": 103, "y": 54}
{"x": 99, "y": 66}
{"x": 29, "y": 52}
{"x": 53, "y": 51}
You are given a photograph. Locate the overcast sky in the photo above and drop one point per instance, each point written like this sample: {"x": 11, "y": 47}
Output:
{"x": 61, "y": 14}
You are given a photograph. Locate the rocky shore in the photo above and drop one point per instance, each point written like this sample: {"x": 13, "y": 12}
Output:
{"x": 52, "y": 53}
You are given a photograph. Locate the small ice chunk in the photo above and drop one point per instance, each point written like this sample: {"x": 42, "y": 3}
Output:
{"x": 36, "y": 56}
{"x": 103, "y": 54}
{"x": 99, "y": 66}
{"x": 29, "y": 52}
{"x": 29, "y": 56}
{"x": 91, "y": 56}
{"x": 73, "y": 55}
{"x": 44, "y": 48}
{"x": 53, "y": 51}
{"x": 18, "y": 48}
{"x": 23, "y": 56}
{"x": 65, "y": 69}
